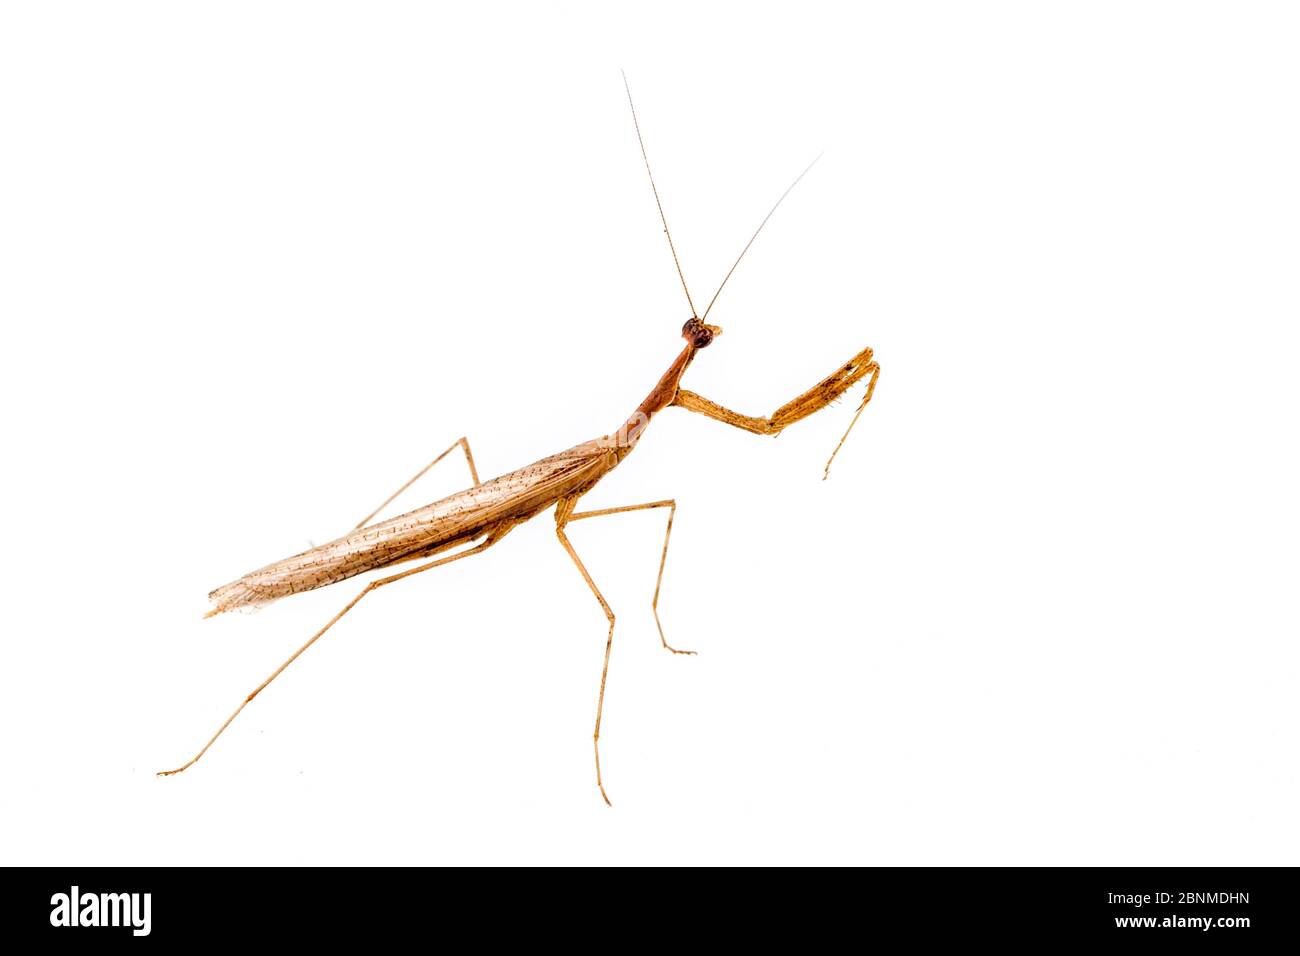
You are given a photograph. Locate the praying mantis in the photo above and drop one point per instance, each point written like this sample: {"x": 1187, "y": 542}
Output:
{"x": 483, "y": 514}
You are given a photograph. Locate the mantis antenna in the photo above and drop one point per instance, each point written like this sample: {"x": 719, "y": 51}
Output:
{"x": 756, "y": 232}
{"x": 664, "y": 219}
{"x": 655, "y": 190}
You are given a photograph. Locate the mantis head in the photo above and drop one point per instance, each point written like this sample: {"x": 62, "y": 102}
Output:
{"x": 699, "y": 334}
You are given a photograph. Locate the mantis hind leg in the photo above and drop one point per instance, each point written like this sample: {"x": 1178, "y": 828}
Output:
{"x": 494, "y": 535}
{"x": 469, "y": 459}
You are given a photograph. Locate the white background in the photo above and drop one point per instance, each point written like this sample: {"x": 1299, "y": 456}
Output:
{"x": 261, "y": 261}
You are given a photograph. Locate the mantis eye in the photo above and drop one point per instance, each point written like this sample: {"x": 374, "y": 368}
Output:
{"x": 699, "y": 334}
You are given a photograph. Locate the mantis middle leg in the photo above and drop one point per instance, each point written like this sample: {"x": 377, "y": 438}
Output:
{"x": 671, "y": 505}
{"x": 563, "y": 515}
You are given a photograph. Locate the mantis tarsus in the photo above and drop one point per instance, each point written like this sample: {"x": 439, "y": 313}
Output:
{"x": 486, "y": 512}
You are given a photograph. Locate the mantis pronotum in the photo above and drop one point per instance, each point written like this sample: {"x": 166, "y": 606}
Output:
{"x": 486, "y": 512}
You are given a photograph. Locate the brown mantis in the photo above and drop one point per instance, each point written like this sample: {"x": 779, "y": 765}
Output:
{"x": 486, "y": 512}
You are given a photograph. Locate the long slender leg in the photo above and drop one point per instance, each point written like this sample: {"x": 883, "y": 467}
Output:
{"x": 563, "y": 512}
{"x": 815, "y": 399}
{"x": 871, "y": 388}
{"x": 469, "y": 458}
{"x": 663, "y": 556}
{"x": 495, "y": 535}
